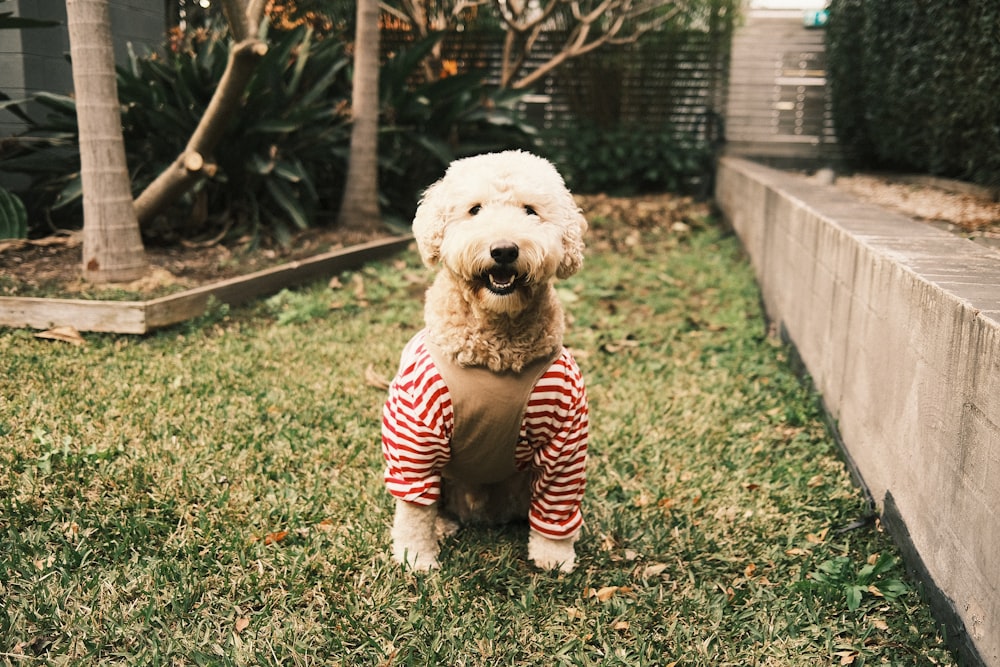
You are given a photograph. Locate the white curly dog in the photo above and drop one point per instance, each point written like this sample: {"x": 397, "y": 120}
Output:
{"x": 486, "y": 419}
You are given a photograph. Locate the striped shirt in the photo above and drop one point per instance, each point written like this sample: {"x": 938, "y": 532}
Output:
{"x": 418, "y": 421}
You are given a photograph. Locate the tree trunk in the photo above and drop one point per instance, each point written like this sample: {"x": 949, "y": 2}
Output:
{"x": 359, "y": 210}
{"x": 112, "y": 244}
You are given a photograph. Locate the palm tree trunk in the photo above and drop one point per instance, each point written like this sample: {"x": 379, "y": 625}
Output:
{"x": 112, "y": 244}
{"x": 359, "y": 209}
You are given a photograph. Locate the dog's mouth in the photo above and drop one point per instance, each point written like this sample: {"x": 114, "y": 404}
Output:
{"x": 501, "y": 280}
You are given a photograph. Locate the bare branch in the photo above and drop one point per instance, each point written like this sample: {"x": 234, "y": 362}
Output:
{"x": 606, "y": 22}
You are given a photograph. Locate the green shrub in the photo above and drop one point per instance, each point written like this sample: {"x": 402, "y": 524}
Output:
{"x": 628, "y": 160}
{"x": 913, "y": 85}
{"x": 283, "y": 159}
{"x": 277, "y": 160}
{"x": 426, "y": 125}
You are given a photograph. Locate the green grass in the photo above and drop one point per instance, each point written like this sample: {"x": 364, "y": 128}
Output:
{"x": 143, "y": 483}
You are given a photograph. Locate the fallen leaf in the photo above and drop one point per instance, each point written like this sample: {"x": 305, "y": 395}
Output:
{"x": 875, "y": 591}
{"x": 242, "y": 623}
{"x": 621, "y": 626}
{"x": 359, "y": 287}
{"x": 880, "y": 624}
{"x": 795, "y": 551}
{"x": 846, "y": 657}
{"x": 818, "y": 538}
{"x": 814, "y": 481}
{"x": 749, "y": 570}
{"x": 607, "y": 592}
{"x": 374, "y": 379}
{"x": 573, "y": 612}
{"x": 653, "y": 570}
{"x": 613, "y": 347}
{"x": 274, "y": 538}
{"x": 65, "y": 334}
{"x": 325, "y": 525}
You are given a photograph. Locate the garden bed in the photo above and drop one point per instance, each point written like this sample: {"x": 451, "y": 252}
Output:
{"x": 202, "y": 276}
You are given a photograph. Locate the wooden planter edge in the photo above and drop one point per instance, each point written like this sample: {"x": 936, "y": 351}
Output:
{"x": 141, "y": 317}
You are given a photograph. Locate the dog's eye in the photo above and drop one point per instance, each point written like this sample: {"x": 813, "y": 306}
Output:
{"x": 530, "y": 210}
{"x": 475, "y": 209}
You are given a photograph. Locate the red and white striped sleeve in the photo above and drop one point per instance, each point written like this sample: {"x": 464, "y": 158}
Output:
{"x": 417, "y": 423}
{"x": 555, "y": 434}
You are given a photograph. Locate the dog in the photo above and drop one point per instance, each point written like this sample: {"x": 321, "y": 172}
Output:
{"x": 486, "y": 419}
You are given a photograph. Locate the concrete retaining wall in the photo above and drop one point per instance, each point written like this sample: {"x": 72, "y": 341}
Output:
{"x": 898, "y": 323}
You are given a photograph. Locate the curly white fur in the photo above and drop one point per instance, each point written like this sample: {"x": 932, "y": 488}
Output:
{"x": 501, "y": 227}
{"x": 498, "y": 200}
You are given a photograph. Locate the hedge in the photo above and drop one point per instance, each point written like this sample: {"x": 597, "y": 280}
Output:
{"x": 914, "y": 84}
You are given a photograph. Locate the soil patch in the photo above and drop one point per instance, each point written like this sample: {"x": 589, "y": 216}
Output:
{"x": 50, "y": 267}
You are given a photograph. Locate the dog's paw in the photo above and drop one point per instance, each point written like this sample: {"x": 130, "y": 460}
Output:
{"x": 549, "y": 554}
{"x": 414, "y": 542}
{"x": 416, "y": 561}
{"x": 445, "y": 527}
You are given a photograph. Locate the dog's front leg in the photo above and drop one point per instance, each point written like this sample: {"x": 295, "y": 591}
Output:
{"x": 414, "y": 539}
{"x": 549, "y": 554}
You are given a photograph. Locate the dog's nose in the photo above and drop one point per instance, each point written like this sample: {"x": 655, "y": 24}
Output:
{"x": 504, "y": 252}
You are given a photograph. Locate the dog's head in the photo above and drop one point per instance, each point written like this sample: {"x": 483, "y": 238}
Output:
{"x": 502, "y": 224}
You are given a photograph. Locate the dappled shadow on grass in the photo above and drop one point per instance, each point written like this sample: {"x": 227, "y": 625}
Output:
{"x": 144, "y": 482}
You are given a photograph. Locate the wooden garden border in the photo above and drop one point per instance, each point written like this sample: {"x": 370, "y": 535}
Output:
{"x": 140, "y": 317}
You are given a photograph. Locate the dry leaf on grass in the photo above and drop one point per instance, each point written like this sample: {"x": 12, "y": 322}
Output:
{"x": 605, "y": 593}
{"x": 846, "y": 657}
{"x": 241, "y": 624}
{"x": 653, "y": 570}
{"x": 64, "y": 334}
{"x": 375, "y": 379}
{"x": 275, "y": 537}
{"x": 818, "y": 538}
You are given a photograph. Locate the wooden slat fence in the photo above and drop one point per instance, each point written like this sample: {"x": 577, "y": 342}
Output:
{"x": 778, "y": 102}
{"x": 676, "y": 83}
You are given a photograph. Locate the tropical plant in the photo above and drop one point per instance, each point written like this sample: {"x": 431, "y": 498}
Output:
{"x": 13, "y": 216}
{"x": 281, "y": 163}
{"x": 428, "y": 124}
{"x": 282, "y": 155}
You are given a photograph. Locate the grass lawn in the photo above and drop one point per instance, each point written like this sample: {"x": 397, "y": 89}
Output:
{"x": 212, "y": 494}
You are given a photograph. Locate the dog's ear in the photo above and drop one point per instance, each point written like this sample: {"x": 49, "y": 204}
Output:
{"x": 429, "y": 222}
{"x": 574, "y": 228}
